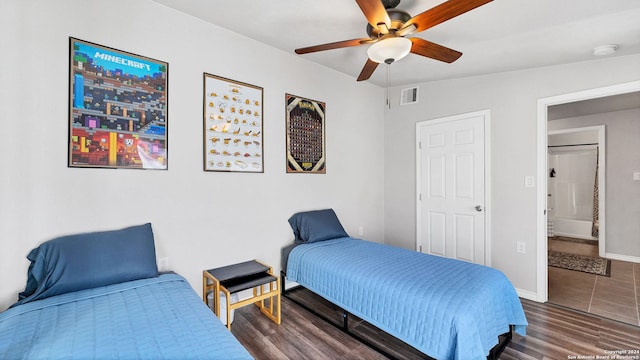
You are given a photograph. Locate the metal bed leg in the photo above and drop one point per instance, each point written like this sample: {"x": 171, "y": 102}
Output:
{"x": 345, "y": 321}
{"x": 283, "y": 289}
{"x": 494, "y": 354}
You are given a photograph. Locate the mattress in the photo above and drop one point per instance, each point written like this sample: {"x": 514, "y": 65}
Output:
{"x": 154, "y": 318}
{"x": 446, "y": 308}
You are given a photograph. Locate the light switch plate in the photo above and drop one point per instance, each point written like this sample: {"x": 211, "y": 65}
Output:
{"x": 529, "y": 181}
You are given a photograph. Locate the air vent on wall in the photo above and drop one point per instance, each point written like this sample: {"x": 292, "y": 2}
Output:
{"x": 409, "y": 96}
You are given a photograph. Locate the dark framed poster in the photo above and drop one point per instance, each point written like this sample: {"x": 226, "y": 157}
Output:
{"x": 232, "y": 125}
{"x": 305, "y": 127}
{"x": 117, "y": 108}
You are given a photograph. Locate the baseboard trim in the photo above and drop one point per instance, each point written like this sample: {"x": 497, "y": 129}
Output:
{"x": 633, "y": 259}
{"x": 527, "y": 295}
{"x": 288, "y": 284}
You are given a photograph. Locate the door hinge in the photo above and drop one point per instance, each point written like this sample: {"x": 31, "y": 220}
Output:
{"x": 420, "y": 145}
{"x": 420, "y": 197}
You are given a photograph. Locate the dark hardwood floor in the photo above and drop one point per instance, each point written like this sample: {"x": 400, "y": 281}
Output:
{"x": 554, "y": 332}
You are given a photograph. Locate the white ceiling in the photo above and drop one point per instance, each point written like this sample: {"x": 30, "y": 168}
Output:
{"x": 500, "y": 36}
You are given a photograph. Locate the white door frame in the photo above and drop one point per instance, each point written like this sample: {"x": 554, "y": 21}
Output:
{"x": 542, "y": 285}
{"x": 486, "y": 114}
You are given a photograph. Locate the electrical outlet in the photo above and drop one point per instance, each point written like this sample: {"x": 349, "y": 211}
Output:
{"x": 360, "y": 230}
{"x": 521, "y": 247}
{"x": 163, "y": 264}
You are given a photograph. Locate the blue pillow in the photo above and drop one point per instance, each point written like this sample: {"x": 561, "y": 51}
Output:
{"x": 318, "y": 225}
{"x": 83, "y": 261}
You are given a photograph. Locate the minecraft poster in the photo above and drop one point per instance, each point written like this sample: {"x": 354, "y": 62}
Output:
{"x": 117, "y": 108}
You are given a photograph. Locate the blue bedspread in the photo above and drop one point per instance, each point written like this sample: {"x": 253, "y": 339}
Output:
{"x": 448, "y": 309}
{"x": 155, "y": 318}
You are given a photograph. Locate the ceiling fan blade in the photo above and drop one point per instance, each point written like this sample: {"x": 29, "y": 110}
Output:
{"x": 439, "y": 14}
{"x": 376, "y": 14}
{"x": 333, "y": 45}
{"x": 433, "y": 50}
{"x": 367, "y": 70}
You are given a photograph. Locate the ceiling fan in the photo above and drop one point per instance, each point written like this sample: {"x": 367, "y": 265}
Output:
{"x": 389, "y": 27}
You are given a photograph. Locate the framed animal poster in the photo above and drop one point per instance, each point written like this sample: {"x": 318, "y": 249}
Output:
{"x": 232, "y": 125}
{"x": 117, "y": 108}
{"x": 305, "y": 129}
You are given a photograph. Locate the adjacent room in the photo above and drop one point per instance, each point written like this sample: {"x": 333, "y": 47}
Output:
{"x": 591, "y": 176}
{"x": 170, "y": 156}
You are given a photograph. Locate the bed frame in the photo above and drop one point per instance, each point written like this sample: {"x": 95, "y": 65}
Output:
{"x": 494, "y": 354}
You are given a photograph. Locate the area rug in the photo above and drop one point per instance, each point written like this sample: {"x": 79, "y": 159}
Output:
{"x": 588, "y": 264}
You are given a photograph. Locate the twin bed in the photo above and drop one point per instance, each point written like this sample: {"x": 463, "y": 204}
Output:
{"x": 447, "y": 309}
{"x": 99, "y": 296}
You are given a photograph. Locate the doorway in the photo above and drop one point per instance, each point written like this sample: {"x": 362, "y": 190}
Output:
{"x": 576, "y": 185}
{"x": 542, "y": 170}
{"x": 452, "y": 163}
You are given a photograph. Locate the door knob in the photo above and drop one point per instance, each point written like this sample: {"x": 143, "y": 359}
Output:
{"x": 478, "y": 207}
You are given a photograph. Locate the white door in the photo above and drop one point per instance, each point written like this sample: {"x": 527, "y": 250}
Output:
{"x": 451, "y": 219}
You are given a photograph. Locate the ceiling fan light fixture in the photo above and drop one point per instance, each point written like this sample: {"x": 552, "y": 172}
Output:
{"x": 393, "y": 49}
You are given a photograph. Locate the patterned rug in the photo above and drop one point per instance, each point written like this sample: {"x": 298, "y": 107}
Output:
{"x": 588, "y": 264}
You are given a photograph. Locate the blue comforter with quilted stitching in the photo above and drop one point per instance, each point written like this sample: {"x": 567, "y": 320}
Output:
{"x": 155, "y": 318}
{"x": 448, "y": 309}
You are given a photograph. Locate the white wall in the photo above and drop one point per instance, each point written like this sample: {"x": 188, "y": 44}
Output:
{"x": 200, "y": 219}
{"x": 622, "y": 160}
{"x": 512, "y": 99}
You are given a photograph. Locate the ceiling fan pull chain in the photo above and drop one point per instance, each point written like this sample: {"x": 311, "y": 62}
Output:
{"x": 388, "y": 85}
